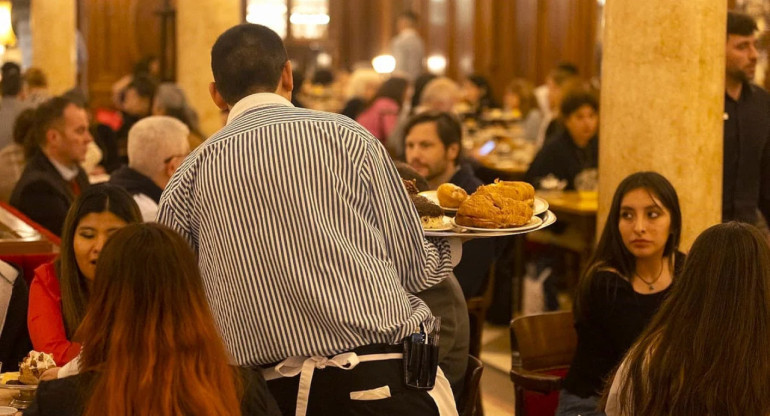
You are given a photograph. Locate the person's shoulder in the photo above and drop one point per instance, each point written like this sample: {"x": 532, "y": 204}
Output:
{"x": 63, "y": 396}
{"x": 45, "y": 274}
{"x": 608, "y": 277}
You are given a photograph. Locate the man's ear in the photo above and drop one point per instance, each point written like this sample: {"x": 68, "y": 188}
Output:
{"x": 287, "y": 79}
{"x": 217, "y": 98}
{"x": 52, "y": 136}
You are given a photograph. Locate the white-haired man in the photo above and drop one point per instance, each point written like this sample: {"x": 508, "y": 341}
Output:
{"x": 156, "y": 147}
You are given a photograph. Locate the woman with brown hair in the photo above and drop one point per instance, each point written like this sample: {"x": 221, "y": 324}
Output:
{"x": 58, "y": 295}
{"x": 151, "y": 346}
{"x": 705, "y": 352}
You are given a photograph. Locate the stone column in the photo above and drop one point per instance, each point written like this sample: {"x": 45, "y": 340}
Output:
{"x": 662, "y": 102}
{"x": 53, "y": 25}
{"x": 199, "y": 23}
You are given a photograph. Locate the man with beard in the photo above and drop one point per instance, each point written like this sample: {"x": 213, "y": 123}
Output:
{"x": 433, "y": 149}
{"x": 746, "y": 176}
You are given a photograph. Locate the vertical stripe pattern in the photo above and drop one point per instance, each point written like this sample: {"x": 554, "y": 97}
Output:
{"x": 307, "y": 241}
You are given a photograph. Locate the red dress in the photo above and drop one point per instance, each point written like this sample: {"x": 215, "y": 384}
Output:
{"x": 45, "y": 319}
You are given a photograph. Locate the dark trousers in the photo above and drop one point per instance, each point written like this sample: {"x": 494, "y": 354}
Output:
{"x": 331, "y": 387}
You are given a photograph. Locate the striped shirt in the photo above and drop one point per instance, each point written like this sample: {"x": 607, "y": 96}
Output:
{"x": 307, "y": 241}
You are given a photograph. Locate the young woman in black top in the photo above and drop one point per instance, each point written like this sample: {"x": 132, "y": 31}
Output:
{"x": 621, "y": 290}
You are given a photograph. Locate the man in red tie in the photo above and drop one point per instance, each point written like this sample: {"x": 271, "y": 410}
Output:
{"x": 53, "y": 177}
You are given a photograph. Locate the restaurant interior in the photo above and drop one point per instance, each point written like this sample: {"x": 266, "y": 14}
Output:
{"x": 649, "y": 77}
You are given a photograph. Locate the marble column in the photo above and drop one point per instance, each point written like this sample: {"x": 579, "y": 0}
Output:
{"x": 662, "y": 102}
{"x": 199, "y": 23}
{"x": 53, "y": 25}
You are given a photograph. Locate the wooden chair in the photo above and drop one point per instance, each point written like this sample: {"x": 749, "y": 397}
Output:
{"x": 468, "y": 403}
{"x": 541, "y": 344}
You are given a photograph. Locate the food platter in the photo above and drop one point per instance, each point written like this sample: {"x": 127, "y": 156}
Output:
{"x": 26, "y": 392}
{"x": 533, "y": 223}
{"x": 539, "y": 206}
{"x": 546, "y": 220}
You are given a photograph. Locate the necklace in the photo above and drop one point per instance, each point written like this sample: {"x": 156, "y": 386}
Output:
{"x": 650, "y": 285}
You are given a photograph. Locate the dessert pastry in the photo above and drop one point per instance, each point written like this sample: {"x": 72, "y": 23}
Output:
{"x": 34, "y": 365}
{"x": 431, "y": 215}
{"x": 519, "y": 191}
{"x": 450, "y": 195}
{"x": 493, "y": 210}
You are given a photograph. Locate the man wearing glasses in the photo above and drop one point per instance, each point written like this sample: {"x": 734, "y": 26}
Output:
{"x": 157, "y": 146}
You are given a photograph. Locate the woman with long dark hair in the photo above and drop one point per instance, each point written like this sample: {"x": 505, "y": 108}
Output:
{"x": 381, "y": 115}
{"x": 626, "y": 281}
{"x": 58, "y": 295}
{"x": 705, "y": 352}
{"x": 151, "y": 346}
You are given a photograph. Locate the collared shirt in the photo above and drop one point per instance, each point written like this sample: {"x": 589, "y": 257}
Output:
{"x": 408, "y": 51}
{"x": 66, "y": 172}
{"x": 746, "y": 171}
{"x": 307, "y": 241}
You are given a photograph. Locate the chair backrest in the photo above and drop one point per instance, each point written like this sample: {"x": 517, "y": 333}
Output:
{"x": 468, "y": 401}
{"x": 544, "y": 340}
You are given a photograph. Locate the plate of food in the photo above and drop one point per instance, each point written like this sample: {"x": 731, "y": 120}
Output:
{"x": 442, "y": 223}
{"x": 30, "y": 370}
{"x": 533, "y": 223}
{"x": 539, "y": 206}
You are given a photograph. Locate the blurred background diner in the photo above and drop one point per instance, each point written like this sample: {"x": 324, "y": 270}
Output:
{"x": 458, "y": 91}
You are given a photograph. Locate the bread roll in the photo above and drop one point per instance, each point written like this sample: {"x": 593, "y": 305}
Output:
{"x": 519, "y": 191}
{"x": 450, "y": 195}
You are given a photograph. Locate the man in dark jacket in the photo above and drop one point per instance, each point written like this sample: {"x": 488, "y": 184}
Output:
{"x": 53, "y": 177}
{"x": 156, "y": 147}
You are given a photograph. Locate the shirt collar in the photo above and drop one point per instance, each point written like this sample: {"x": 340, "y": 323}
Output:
{"x": 66, "y": 172}
{"x": 256, "y": 100}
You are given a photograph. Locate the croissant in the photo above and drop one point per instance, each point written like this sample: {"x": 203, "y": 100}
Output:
{"x": 450, "y": 195}
{"x": 493, "y": 210}
{"x": 520, "y": 191}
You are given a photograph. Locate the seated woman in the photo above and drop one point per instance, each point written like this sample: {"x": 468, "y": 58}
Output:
{"x": 151, "y": 344}
{"x": 519, "y": 100}
{"x": 575, "y": 151}
{"x": 705, "y": 352}
{"x": 381, "y": 115}
{"x": 477, "y": 95}
{"x": 59, "y": 293}
{"x": 629, "y": 276}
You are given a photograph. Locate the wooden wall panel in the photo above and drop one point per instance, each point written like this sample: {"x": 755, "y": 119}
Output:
{"x": 118, "y": 33}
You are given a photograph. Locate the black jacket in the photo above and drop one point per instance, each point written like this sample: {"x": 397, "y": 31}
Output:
{"x": 14, "y": 340}
{"x": 562, "y": 158}
{"x": 43, "y": 195}
{"x": 136, "y": 183}
{"x": 69, "y": 396}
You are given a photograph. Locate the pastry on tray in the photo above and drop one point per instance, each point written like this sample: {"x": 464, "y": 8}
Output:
{"x": 450, "y": 195}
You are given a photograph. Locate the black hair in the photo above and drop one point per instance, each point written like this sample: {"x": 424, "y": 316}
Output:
{"x": 740, "y": 24}
{"x": 409, "y": 15}
{"x": 447, "y": 125}
{"x": 419, "y": 85}
{"x": 12, "y": 80}
{"x": 611, "y": 251}
{"x": 578, "y": 98}
{"x": 486, "y": 100}
{"x": 393, "y": 88}
{"x": 246, "y": 59}
{"x": 143, "y": 85}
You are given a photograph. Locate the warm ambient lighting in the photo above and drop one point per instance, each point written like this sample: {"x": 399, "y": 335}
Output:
{"x": 7, "y": 38}
{"x": 436, "y": 64}
{"x": 270, "y": 13}
{"x": 384, "y": 64}
{"x": 309, "y": 19}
